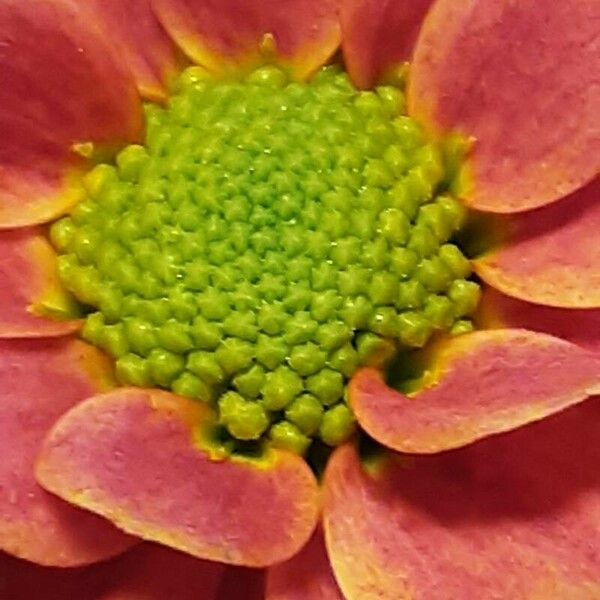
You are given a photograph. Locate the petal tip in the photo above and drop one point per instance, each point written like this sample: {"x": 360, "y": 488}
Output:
{"x": 474, "y": 386}
{"x": 97, "y": 442}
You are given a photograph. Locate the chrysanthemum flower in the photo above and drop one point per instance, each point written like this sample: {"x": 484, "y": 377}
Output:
{"x": 271, "y": 306}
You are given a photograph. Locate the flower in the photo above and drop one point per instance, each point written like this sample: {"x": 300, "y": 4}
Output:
{"x": 449, "y": 509}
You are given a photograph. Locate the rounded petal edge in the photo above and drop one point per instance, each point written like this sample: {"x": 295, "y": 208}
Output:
{"x": 550, "y": 255}
{"x": 233, "y": 35}
{"x": 40, "y": 379}
{"x": 513, "y": 516}
{"x": 474, "y": 386}
{"x": 497, "y": 311}
{"x": 33, "y": 302}
{"x": 519, "y": 79}
{"x": 63, "y": 89}
{"x": 89, "y": 455}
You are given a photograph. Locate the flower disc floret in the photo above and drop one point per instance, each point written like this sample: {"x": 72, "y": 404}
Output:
{"x": 268, "y": 239}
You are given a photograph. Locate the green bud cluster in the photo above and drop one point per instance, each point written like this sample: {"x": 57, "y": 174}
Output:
{"x": 268, "y": 239}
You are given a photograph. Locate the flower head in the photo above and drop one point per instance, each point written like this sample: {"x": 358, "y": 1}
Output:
{"x": 292, "y": 294}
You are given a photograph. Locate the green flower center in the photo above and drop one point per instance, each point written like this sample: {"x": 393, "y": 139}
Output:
{"x": 269, "y": 238}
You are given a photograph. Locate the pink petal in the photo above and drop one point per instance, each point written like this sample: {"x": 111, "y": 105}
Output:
{"x": 266, "y": 509}
{"x": 31, "y": 292}
{"x": 225, "y": 36}
{"x": 61, "y": 86}
{"x": 379, "y": 35}
{"x": 515, "y": 516}
{"x": 551, "y": 255}
{"x": 148, "y": 50}
{"x": 241, "y": 583}
{"x": 40, "y": 380}
{"x": 476, "y": 385}
{"x": 581, "y": 327}
{"x": 152, "y": 572}
{"x": 521, "y": 78}
{"x": 306, "y": 575}
{"x": 147, "y": 572}
{"x": 21, "y": 580}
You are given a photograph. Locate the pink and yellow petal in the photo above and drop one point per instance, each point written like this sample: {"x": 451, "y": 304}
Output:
{"x": 146, "y": 47}
{"x": 520, "y": 79}
{"x": 39, "y": 178}
{"x": 582, "y": 327}
{"x": 306, "y": 575}
{"x": 62, "y": 86}
{"x": 40, "y": 380}
{"x": 514, "y": 516}
{"x": 147, "y": 572}
{"x": 33, "y": 302}
{"x": 473, "y": 386}
{"x": 229, "y": 35}
{"x": 550, "y": 255}
{"x": 378, "y": 36}
{"x": 266, "y": 508}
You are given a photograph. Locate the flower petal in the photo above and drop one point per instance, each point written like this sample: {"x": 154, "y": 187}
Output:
{"x": 266, "y": 509}
{"x": 22, "y": 580}
{"x": 152, "y": 572}
{"x": 227, "y": 35}
{"x": 581, "y": 327}
{"x": 514, "y": 516}
{"x": 61, "y": 86}
{"x": 306, "y": 575}
{"x": 551, "y": 255}
{"x": 241, "y": 583}
{"x": 147, "y": 571}
{"x": 146, "y": 47}
{"x": 476, "y": 385}
{"x": 520, "y": 77}
{"x": 40, "y": 380}
{"x": 379, "y": 35}
{"x": 31, "y": 293}
{"x": 36, "y": 183}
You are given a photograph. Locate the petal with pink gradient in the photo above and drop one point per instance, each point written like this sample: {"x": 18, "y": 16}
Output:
{"x": 378, "y": 36}
{"x": 520, "y": 78}
{"x": 147, "y": 572}
{"x": 39, "y": 177}
{"x": 237, "y": 511}
{"x": 514, "y": 516}
{"x": 62, "y": 86}
{"x": 473, "y": 386}
{"x": 33, "y": 302}
{"x": 550, "y": 255}
{"x": 306, "y": 575}
{"x": 581, "y": 327}
{"x": 147, "y": 48}
{"x": 226, "y": 35}
{"x": 40, "y": 380}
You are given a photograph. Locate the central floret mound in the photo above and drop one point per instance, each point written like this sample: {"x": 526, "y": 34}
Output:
{"x": 268, "y": 239}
